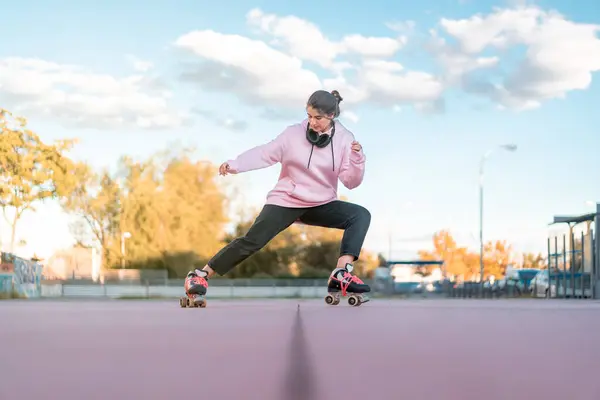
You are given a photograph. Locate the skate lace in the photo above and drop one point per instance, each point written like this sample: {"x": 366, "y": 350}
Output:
{"x": 346, "y": 280}
{"x": 197, "y": 280}
{"x": 201, "y": 281}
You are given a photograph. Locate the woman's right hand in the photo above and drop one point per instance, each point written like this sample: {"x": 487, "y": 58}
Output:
{"x": 225, "y": 169}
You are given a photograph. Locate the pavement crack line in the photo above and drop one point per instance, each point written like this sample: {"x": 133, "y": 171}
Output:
{"x": 299, "y": 382}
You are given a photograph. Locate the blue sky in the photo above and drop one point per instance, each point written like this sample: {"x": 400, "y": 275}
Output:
{"x": 422, "y": 166}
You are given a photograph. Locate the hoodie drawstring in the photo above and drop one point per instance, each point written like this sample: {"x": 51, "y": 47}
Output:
{"x": 309, "y": 158}
{"x": 332, "y": 156}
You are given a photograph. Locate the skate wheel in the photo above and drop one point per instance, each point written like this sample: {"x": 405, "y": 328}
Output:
{"x": 200, "y": 302}
{"x": 329, "y": 299}
{"x": 353, "y": 301}
{"x": 182, "y": 302}
{"x": 190, "y": 303}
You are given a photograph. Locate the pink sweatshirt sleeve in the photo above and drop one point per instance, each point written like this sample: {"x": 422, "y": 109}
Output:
{"x": 260, "y": 156}
{"x": 352, "y": 170}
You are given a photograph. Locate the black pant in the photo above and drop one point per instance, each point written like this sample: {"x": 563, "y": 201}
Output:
{"x": 272, "y": 220}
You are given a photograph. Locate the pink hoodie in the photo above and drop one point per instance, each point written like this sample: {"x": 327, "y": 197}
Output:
{"x": 299, "y": 184}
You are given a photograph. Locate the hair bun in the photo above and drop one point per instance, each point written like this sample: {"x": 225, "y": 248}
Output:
{"x": 336, "y": 94}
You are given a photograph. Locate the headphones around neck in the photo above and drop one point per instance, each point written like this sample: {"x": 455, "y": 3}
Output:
{"x": 321, "y": 140}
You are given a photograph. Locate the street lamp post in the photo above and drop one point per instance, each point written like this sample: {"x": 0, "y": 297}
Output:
{"x": 124, "y": 235}
{"x": 507, "y": 147}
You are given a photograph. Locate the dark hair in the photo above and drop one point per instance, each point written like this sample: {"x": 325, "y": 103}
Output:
{"x": 325, "y": 102}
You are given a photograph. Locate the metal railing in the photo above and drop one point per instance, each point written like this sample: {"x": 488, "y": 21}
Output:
{"x": 572, "y": 265}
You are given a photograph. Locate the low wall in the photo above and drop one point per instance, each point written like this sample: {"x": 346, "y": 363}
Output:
{"x": 149, "y": 291}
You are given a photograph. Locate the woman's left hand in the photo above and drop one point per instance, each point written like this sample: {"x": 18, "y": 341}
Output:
{"x": 356, "y": 146}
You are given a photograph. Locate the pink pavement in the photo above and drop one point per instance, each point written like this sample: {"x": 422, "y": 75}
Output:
{"x": 255, "y": 349}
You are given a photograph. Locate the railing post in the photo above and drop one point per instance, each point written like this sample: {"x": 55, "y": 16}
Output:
{"x": 594, "y": 269}
{"x": 564, "y": 268}
{"x": 582, "y": 266}
{"x": 596, "y": 251}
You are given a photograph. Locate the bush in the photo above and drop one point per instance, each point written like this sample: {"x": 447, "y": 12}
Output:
{"x": 314, "y": 273}
{"x": 10, "y": 295}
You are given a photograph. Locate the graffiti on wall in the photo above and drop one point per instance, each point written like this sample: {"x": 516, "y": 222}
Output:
{"x": 26, "y": 275}
{"x": 6, "y": 277}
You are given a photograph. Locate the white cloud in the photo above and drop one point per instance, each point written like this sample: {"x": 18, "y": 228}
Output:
{"x": 302, "y": 38}
{"x": 388, "y": 83}
{"x": 560, "y": 55}
{"x": 248, "y": 67}
{"x": 456, "y": 62}
{"x": 228, "y": 122}
{"x": 405, "y": 27}
{"x": 351, "y": 116}
{"x": 263, "y": 75}
{"x": 305, "y": 40}
{"x": 78, "y": 97}
{"x": 139, "y": 64}
{"x": 277, "y": 74}
{"x": 372, "y": 46}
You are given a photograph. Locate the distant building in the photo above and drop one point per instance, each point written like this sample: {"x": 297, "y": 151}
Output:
{"x": 73, "y": 263}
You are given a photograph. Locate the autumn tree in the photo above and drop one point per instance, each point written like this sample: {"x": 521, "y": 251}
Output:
{"x": 496, "y": 257}
{"x": 96, "y": 200}
{"x": 176, "y": 214}
{"x": 533, "y": 261}
{"x": 81, "y": 233}
{"x": 279, "y": 257}
{"x": 30, "y": 170}
{"x": 319, "y": 252}
{"x": 302, "y": 251}
{"x": 460, "y": 262}
{"x": 196, "y": 205}
{"x": 170, "y": 204}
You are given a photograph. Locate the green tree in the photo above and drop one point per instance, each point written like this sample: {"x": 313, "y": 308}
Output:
{"x": 31, "y": 170}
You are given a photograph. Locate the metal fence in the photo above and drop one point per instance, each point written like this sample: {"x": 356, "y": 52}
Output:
{"x": 573, "y": 258}
{"x": 572, "y": 270}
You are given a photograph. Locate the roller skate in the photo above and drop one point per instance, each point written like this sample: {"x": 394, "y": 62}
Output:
{"x": 342, "y": 283}
{"x": 195, "y": 286}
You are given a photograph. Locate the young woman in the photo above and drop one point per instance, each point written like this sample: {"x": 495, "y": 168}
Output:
{"x": 314, "y": 154}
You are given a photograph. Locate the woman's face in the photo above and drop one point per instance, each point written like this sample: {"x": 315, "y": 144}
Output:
{"x": 317, "y": 121}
